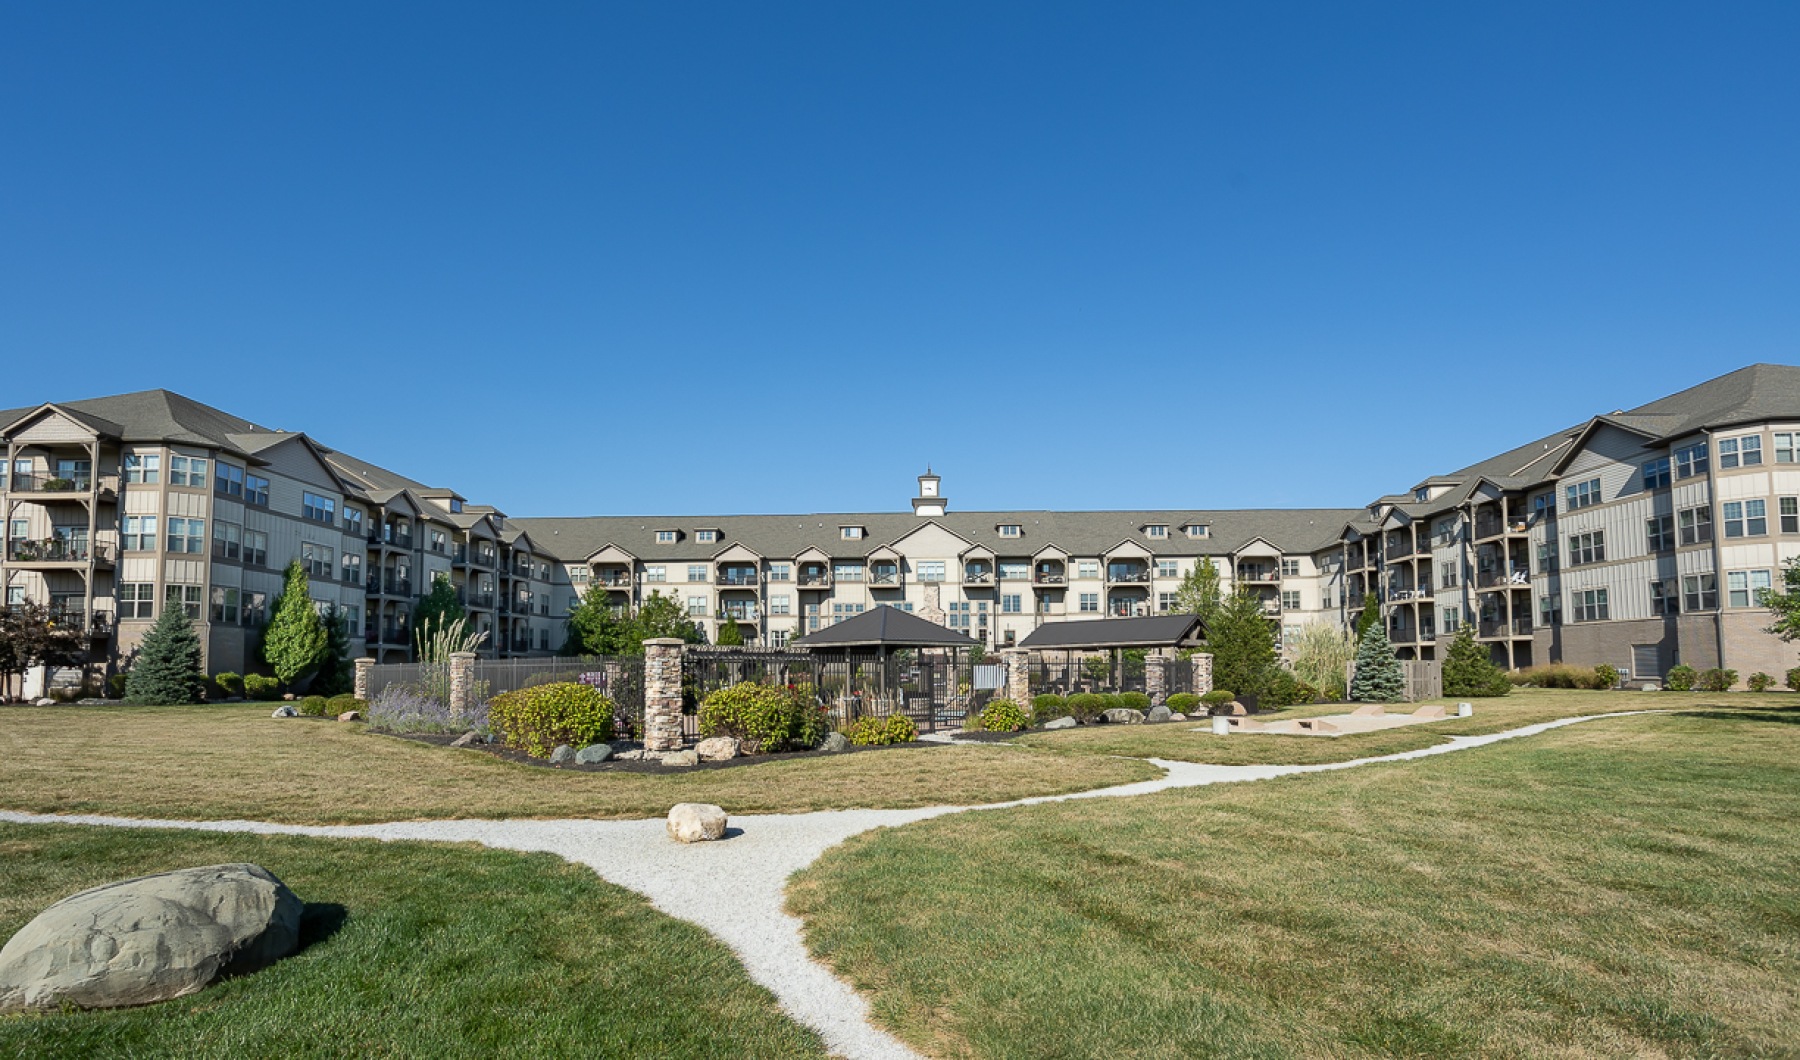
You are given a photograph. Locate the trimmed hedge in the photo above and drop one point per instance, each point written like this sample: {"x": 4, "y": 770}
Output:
{"x": 1218, "y": 697}
{"x": 764, "y": 718}
{"x": 1681, "y": 678}
{"x": 258, "y": 687}
{"x": 1085, "y": 706}
{"x": 1048, "y": 708}
{"x": 1182, "y": 702}
{"x": 1134, "y": 700}
{"x": 1003, "y": 715}
{"x": 873, "y": 731}
{"x": 228, "y": 683}
{"x": 535, "y": 720}
{"x": 314, "y": 707}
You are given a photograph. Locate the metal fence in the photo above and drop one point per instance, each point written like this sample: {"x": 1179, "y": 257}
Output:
{"x": 382, "y": 675}
{"x": 1065, "y": 673}
{"x": 937, "y": 692}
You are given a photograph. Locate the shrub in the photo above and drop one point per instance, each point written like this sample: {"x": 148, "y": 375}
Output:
{"x": 1680, "y": 678}
{"x": 1280, "y": 689}
{"x": 875, "y": 731}
{"x": 1002, "y": 715}
{"x": 1716, "y": 680}
{"x": 404, "y": 708}
{"x": 1217, "y": 698}
{"x": 1048, "y": 708}
{"x": 764, "y": 718}
{"x": 229, "y": 684}
{"x": 167, "y": 671}
{"x": 1307, "y": 693}
{"x": 1793, "y": 679}
{"x": 1557, "y": 675}
{"x": 1761, "y": 682}
{"x": 1470, "y": 671}
{"x": 1606, "y": 676}
{"x": 536, "y": 720}
{"x": 258, "y": 687}
{"x": 1182, "y": 702}
{"x": 347, "y": 702}
{"x": 1084, "y": 706}
{"x": 314, "y": 707}
{"x": 115, "y": 686}
{"x": 1134, "y": 700}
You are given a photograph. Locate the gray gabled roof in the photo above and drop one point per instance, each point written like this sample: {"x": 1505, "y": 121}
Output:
{"x": 885, "y": 627}
{"x": 1153, "y": 631}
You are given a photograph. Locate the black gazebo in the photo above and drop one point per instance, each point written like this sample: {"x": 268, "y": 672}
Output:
{"x": 883, "y": 632}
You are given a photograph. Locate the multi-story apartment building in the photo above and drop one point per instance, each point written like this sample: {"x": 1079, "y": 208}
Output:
{"x": 1640, "y": 538}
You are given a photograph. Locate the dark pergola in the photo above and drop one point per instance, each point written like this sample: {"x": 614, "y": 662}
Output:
{"x": 883, "y": 629}
{"x": 1115, "y": 636}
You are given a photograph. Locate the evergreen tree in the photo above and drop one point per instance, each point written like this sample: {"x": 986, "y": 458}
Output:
{"x": 1370, "y": 618}
{"x": 1469, "y": 671}
{"x": 1242, "y": 642}
{"x": 730, "y": 635}
{"x": 294, "y": 644}
{"x": 168, "y": 671}
{"x": 440, "y": 606}
{"x": 337, "y": 675}
{"x": 1379, "y": 678}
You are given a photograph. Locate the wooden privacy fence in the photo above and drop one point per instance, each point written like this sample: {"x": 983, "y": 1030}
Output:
{"x": 1424, "y": 678}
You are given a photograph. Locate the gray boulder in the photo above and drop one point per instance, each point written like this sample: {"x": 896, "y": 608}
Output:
{"x": 1160, "y": 714}
{"x": 149, "y": 939}
{"x": 467, "y": 739}
{"x": 593, "y": 754}
{"x": 680, "y": 758}
{"x": 562, "y": 754}
{"x": 717, "y": 748}
{"x": 1123, "y": 716}
{"x": 1060, "y": 723}
{"x": 285, "y": 712}
{"x": 836, "y": 741}
{"x": 696, "y": 822}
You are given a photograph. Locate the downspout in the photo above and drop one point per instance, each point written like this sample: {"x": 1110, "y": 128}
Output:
{"x": 1720, "y": 589}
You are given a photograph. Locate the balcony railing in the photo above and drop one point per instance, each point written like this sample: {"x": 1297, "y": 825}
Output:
{"x": 978, "y": 577}
{"x": 484, "y": 601}
{"x": 814, "y": 580}
{"x": 739, "y": 614}
{"x": 485, "y": 559}
{"x": 378, "y": 585}
{"x": 1048, "y": 578}
{"x": 50, "y": 482}
{"x": 57, "y": 550}
{"x": 460, "y": 556}
{"x": 1408, "y": 592}
{"x": 614, "y": 580}
{"x": 885, "y": 579}
{"x": 1128, "y": 577}
{"x": 740, "y": 579}
{"x": 96, "y": 623}
{"x": 1496, "y": 628}
{"x": 1517, "y": 578}
{"x": 388, "y": 634}
{"x": 1259, "y": 576}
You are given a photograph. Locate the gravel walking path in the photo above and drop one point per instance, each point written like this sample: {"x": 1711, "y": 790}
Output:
{"x": 735, "y": 888}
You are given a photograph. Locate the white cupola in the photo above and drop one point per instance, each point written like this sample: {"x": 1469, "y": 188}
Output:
{"x": 929, "y": 501}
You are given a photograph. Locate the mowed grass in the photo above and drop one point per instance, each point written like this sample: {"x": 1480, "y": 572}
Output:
{"x": 234, "y": 761}
{"x": 1626, "y": 887}
{"x": 1525, "y": 706}
{"x": 413, "y": 950}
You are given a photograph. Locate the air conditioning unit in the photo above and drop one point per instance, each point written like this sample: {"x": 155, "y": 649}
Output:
{"x": 1140, "y": 611}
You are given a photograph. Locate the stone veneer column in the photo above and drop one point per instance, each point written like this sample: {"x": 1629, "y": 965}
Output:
{"x": 1202, "y": 673}
{"x": 662, "y": 694}
{"x": 1156, "y": 679}
{"x": 462, "y": 683}
{"x": 1018, "y": 675}
{"x": 363, "y": 666}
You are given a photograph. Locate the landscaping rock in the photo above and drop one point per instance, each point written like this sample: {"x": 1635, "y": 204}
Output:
{"x": 1178, "y": 716}
{"x": 562, "y": 754}
{"x": 680, "y": 758}
{"x": 351, "y": 715}
{"x": 1647, "y": 687}
{"x": 1123, "y": 716}
{"x": 696, "y": 822}
{"x": 149, "y": 939}
{"x": 836, "y": 741}
{"x": 717, "y": 749}
{"x": 636, "y": 754}
{"x": 290, "y": 697}
{"x": 593, "y": 754}
{"x": 1060, "y": 723}
{"x": 44, "y": 702}
{"x": 467, "y": 739}
{"x": 1159, "y": 714}
{"x": 285, "y": 712}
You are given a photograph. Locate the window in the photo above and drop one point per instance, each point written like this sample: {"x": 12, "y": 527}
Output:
{"x": 1790, "y": 514}
{"x": 931, "y": 570}
{"x": 959, "y": 614}
{"x": 225, "y": 605}
{"x": 256, "y": 608}
{"x": 1290, "y": 568}
{"x": 1542, "y": 504}
{"x": 229, "y": 480}
{"x": 847, "y": 572}
{"x": 1450, "y": 619}
{"x": 19, "y": 528}
{"x": 1156, "y": 531}
{"x": 1694, "y": 525}
{"x": 1448, "y": 573}
{"x": 656, "y": 573}
{"x": 780, "y": 572}
{"x": 1049, "y": 602}
{"x": 696, "y": 605}
{"x": 1167, "y": 568}
{"x": 1290, "y": 600}
{"x": 1746, "y": 518}
{"x": 778, "y": 605}
{"x": 1015, "y": 572}
{"x": 353, "y": 521}
{"x": 318, "y": 560}
{"x": 318, "y": 509}
{"x": 1549, "y": 610}
{"x": 352, "y": 568}
{"x": 1590, "y": 605}
{"x": 437, "y": 541}
{"x": 706, "y": 537}
{"x": 187, "y": 471}
{"x": 1700, "y": 592}
{"x": 1656, "y": 474}
{"x": 1746, "y": 588}
{"x": 696, "y": 572}
{"x": 1740, "y": 452}
{"x": 1786, "y": 445}
{"x": 1583, "y": 494}
{"x": 840, "y": 612}
{"x": 187, "y": 535}
{"x": 1663, "y": 599}
{"x": 850, "y": 533}
{"x": 1090, "y": 602}
{"x": 1087, "y": 568}
{"x": 665, "y": 537}
{"x": 140, "y": 533}
{"x": 579, "y": 574}
{"x": 1659, "y": 532}
{"x": 1196, "y": 530}
{"x": 186, "y": 597}
{"x": 1011, "y": 604}
{"x": 137, "y": 600}
{"x": 256, "y": 490}
{"x": 227, "y": 540}
{"x": 779, "y": 637}
{"x": 1587, "y": 548}
{"x": 256, "y": 548}
{"x": 142, "y": 468}
{"x": 1691, "y": 460}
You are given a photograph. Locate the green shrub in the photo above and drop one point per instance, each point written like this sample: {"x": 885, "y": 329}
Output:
{"x": 1793, "y": 679}
{"x": 535, "y": 720}
{"x": 1048, "y": 708}
{"x": 1716, "y": 680}
{"x": 229, "y": 684}
{"x": 1217, "y": 698}
{"x": 1606, "y": 676}
{"x": 1084, "y": 706}
{"x": 314, "y": 707}
{"x": 874, "y": 731}
{"x": 1280, "y": 689}
{"x": 342, "y": 704}
{"x": 1558, "y": 675}
{"x": 1182, "y": 702}
{"x": 1002, "y": 715}
{"x": 764, "y": 718}
{"x": 1134, "y": 700}
{"x": 1680, "y": 678}
{"x": 258, "y": 687}
{"x": 1761, "y": 682}
{"x": 115, "y": 686}
{"x": 1469, "y": 669}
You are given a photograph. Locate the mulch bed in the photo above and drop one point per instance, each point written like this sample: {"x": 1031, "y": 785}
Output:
{"x": 614, "y": 765}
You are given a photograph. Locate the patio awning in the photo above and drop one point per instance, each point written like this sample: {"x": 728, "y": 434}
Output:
{"x": 1154, "y": 631}
{"x": 884, "y": 627}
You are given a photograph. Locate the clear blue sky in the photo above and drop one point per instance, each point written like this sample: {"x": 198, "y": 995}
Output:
{"x": 775, "y": 257}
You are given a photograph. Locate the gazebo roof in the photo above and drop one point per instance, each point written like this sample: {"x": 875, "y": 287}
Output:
{"x": 1155, "y": 631}
{"x": 885, "y": 627}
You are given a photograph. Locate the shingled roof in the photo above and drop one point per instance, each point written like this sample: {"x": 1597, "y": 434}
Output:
{"x": 885, "y": 627}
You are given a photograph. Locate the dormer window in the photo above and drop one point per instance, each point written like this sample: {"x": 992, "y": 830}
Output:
{"x": 1422, "y": 494}
{"x": 850, "y": 533}
{"x": 1010, "y": 529}
{"x": 1157, "y": 531}
{"x": 666, "y": 537}
{"x": 706, "y": 537}
{"x": 455, "y": 506}
{"x": 1196, "y": 529}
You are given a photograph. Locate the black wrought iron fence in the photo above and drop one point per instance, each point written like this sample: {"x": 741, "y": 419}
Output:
{"x": 937, "y": 692}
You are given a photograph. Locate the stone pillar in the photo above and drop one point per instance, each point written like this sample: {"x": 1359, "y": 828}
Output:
{"x": 1018, "y": 675}
{"x": 1202, "y": 663}
{"x": 363, "y": 666}
{"x": 662, "y": 694}
{"x": 1156, "y": 679}
{"x": 462, "y": 683}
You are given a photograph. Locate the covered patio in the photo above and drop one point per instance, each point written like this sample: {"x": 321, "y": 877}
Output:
{"x": 1096, "y": 655}
{"x": 890, "y": 661}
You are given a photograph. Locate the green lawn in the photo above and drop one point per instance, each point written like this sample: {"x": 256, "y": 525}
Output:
{"x": 1628, "y": 887}
{"x": 418, "y": 950}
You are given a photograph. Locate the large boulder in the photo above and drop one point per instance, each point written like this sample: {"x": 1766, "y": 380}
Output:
{"x": 836, "y": 741}
{"x": 149, "y": 939}
{"x": 1122, "y": 716}
{"x": 562, "y": 754}
{"x": 1060, "y": 723}
{"x": 680, "y": 758}
{"x": 593, "y": 754}
{"x": 717, "y": 748}
{"x": 696, "y": 822}
{"x": 1159, "y": 714}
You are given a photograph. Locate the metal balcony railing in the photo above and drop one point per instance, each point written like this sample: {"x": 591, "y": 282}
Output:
{"x": 57, "y": 550}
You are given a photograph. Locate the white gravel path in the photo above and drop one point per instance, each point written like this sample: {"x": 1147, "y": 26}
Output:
{"x": 735, "y": 888}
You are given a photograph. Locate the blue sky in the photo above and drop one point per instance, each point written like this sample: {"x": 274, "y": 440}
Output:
{"x": 777, "y": 257}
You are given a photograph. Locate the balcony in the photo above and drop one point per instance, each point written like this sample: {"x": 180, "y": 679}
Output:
{"x": 74, "y": 485}
{"x": 1045, "y": 576}
{"x": 1492, "y": 526}
{"x": 98, "y": 624}
{"x": 391, "y": 538}
{"x": 1128, "y": 575}
{"x": 886, "y": 578}
{"x": 484, "y": 559}
{"x": 1406, "y": 635}
{"x": 613, "y": 580}
{"x": 520, "y": 644}
{"x": 482, "y": 601}
{"x": 1258, "y": 575}
{"x": 459, "y": 557}
{"x": 1399, "y": 549}
{"x": 1408, "y": 592}
{"x": 390, "y": 585}
{"x": 58, "y": 550}
{"x": 814, "y": 579}
{"x": 977, "y": 576}
{"x": 388, "y": 634}
{"x": 739, "y": 614}
{"x": 1517, "y": 578}
{"x": 737, "y": 578}
{"x": 1496, "y": 629}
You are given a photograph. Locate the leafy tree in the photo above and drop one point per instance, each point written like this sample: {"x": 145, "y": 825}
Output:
{"x": 440, "y": 606}
{"x": 663, "y": 616}
{"x": 731, "y": 635}
{"x": 1199, "y": 594}
{"x": 1785, "y": 605}
{"x": 168, "y": 669}
{"x": 1370, "y": 618}
{"x": 31, "y": 636}
{"x": 337, "y": 675}
{"x": 295, "y": 642}
{"x": 1470, "y": 671}
{"x": 595, "y": 629}
{"x": 1242, "y": 642}
{"x": 1379, "y": 678}
{"x": 1322, "y": 651}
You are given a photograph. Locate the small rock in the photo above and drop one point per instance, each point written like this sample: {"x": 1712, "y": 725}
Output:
{"x": 633, "y": 755}
{"x": 1159, "y": 714}
{"x": 290, "y": 697}
{"x": 1060, "y": 723}
{"x": 1123, "y": 716}
{"x": 351, "y": 715}
{"x": 467, "y": 739}
{"x": 696, "y": 822}
{"x": 563, "y": 753}
{"x": 285, "y": 712}
{"x": 680, "y": 758}
{"x": 1178, "y": 716}
{"x": 593, "y": 754}
{"x": 717, "y": 749}
{"x": 1649, "y": 687}
{"x": 44, "y": 702}
{"x": 836, "y": 741}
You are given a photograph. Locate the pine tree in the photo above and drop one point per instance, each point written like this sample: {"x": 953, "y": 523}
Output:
{"x": 439, "y": 607}
{"x": 168, "y": 671}
{"x": 1242, "y": 642}
{"x": 294, "y": 644}
{"x": 1379, "y": 678}
{"x": 337, "y": 675}
{"x": 729, "y": 634}
{"x": 1370, "y": 618}
{"x": 1468, "y": 670}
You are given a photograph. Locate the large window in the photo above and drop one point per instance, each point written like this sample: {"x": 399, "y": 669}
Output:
{"x": 187, "y": 471}
{"x": 256, "y": 548}
{"x": 781, "y": 572}
{"x": 696, "y": 605}
{"x": 187, "y": 597}
{"x": 1663, "y": 598}
{"x": 656, "y": 573}
{"x": 1087, "y": 568}
{"x": 1700, "y": 592}
{"x": 1549, "y": 611}
{"x": 225, "y": 605}
{"x": 1290, "y": 600}
{"x": 931, "y": 570}
{"x": 1786, "y": 445}
{"x": 1587, "y": 548}
{"x": 1011, "y": 604}
{"x": 1014, "y": 571}
{"x": 352, "y": 568}
{"x": 1691, "y": 460}
{"x": 1740, "y": 452}
{"x": 137, "y": 600}
{"x": 1168, "y": 568}
{"x": 1589, "y": 605}
{"x": 319, "y": 561}
{"x": 318, "y": 509}
{"x": 847, "y": 572}
{"x": 1583, "y": 494}
{"x": 143, "y": 468}
{"x": 1694, "y": 525}
{"x": 1747, "y": 588}
{"x": 778, "y": 605}
{"x": 229, "y": 480}
{"x": 227, "y": 540}
{"x": 1790, "y": 514}
{"x": 1547, "y": 559}
{"x": 187, "y": 535}
{"x": 140, "y": 533}
{"x": 1659, "y": 532}
{"x": 1746, "y": 518}
{"x": 1656, "y": 473}
{"x": 696, "y": 572}
{"x": 1090, "y": 602}
{"x": 256, "y": 490}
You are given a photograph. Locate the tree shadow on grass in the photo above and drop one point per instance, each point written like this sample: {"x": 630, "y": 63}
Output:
{"x": 1779, "y": 715}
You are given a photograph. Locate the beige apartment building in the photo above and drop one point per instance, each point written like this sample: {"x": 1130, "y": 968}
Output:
{"x": 1639, "y": 538}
